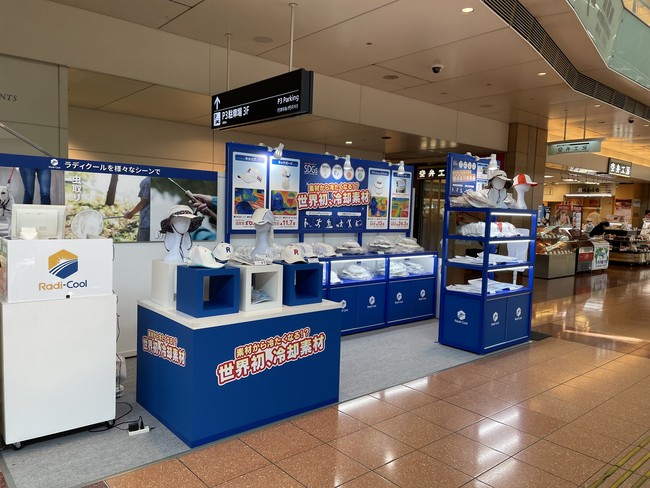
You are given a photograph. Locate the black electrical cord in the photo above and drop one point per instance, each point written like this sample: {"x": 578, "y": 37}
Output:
{"x": 116, "y": 424}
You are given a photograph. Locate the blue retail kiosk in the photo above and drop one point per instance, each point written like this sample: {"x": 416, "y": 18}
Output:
{"x": 212, "y": 377}
{"x": 495, "y": 311}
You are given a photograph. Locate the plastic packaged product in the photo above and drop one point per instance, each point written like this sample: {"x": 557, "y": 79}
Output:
{"x": 380, "y": 244}
{"x": 334, "y": 278}
{"x": 322, "y": 249}
{"x": 355, "y": 272}
{"x": 260, "y": 296}
{"x": 413, "y": 268}
{"x": 407, "y": 245}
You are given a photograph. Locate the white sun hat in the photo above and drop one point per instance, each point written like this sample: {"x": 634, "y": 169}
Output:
{"x": 293, "y": 254}
{"x": 222, "y": 251}
{"x": 201, "y": 257}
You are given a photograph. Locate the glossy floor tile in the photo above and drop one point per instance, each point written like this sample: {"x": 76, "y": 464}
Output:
{"x": 567, "y": 411}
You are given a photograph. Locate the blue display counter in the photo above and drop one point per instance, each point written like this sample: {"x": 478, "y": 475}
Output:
{"x": 209, "y": 378}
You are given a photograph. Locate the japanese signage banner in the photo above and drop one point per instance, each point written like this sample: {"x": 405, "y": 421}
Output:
{"x": 400, "y": 201}
{"x": 467, "y": 173}
{"x": 130, "y": 199}
{"x": 315, "y": 192}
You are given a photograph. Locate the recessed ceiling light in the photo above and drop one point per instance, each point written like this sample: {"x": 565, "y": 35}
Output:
{"x": 548, "y": 176}
{"x": 263, "y": 39}
{"x": 391, "y": 77}
{"x": 541, "y": 73}
{"x": 597, "y": 105}
{"x": 348, "y": 142}
{"x": 467, "y": 10}
{"x": 646, "y": 125}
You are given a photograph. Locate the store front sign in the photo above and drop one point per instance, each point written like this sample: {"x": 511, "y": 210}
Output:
{"x": 574, "y": 146}
{"x": 431, "y": 173}
{"x": 619, "y": 168}
{"x": 274, "y": 98}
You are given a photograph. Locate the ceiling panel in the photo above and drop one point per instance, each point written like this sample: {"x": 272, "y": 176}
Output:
{"x": 470, "y": 87}
{"x": 164, "y": 103}
{"x": 152, "y": 13}
{"x": 93, "y": 90}
{"x": 466, "y": 56}
{"x": 246, "y": 20}
{"x": 398, "y": 29}
{"x": 381, "y": 78}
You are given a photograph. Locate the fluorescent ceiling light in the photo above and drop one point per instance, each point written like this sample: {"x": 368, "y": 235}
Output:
{"x": 548, "y": 176}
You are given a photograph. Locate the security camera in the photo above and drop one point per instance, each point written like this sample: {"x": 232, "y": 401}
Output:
{"x": 437, "y": 68}
{"x": 630, "y": 120}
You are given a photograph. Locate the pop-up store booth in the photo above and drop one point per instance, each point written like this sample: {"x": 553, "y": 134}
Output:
{"x": 233, "y": 342}
{"x": 237, "y": 362}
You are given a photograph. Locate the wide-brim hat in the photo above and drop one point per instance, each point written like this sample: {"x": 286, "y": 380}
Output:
{"x": 182, "y": 211}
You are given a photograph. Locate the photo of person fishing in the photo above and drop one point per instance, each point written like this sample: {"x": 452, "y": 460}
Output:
{"x": 127, "y": 207}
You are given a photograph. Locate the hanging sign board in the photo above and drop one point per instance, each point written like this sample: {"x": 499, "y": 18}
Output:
{"x": 274, "y": 98}
{"x": 574, "y": 146}
{"x": 619, "y": 168}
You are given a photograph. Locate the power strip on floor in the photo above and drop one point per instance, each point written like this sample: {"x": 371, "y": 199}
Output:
{"x": 143, "y": 430}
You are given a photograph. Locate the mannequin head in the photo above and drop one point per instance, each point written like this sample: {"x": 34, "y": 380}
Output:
{"x": 522, "y": 184}
{"x": 176, "y": 227}
{"x": 263, "y": 220}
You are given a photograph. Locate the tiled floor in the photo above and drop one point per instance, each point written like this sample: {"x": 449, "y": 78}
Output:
{"x": 570, "y": 410}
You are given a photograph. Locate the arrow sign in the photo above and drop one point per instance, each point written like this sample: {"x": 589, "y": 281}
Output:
{"x": 282, "y": 96}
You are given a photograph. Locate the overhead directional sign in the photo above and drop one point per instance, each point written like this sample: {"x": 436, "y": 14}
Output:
{"x": 274, "y": 98}
{"x": 574, "y": 146}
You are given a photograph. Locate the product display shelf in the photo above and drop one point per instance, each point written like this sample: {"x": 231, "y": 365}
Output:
{"x": 486, "y": 321}
{"x": 302, "y": 283}
{"x": 556, "y": 256}
{"x": 372, "y": 298}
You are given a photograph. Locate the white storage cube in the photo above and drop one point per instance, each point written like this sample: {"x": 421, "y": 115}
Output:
{"x": 267, "y": 278}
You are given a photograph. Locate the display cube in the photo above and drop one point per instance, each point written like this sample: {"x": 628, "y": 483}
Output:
{"x": 268, "y": 279}
{"x": 205, "y": 292}
{"x": 302, "y": 284}
{"x": 163, "y": 283}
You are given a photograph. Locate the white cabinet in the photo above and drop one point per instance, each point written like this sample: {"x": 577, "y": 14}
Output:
{"x": 57, "y": 365}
